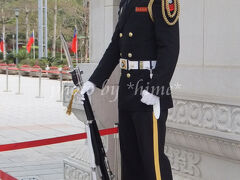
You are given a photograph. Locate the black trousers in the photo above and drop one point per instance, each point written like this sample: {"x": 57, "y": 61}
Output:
{"x": 142, "y": 140}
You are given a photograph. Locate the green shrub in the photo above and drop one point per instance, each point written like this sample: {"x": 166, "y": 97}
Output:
{"x": 43, "y": 63}
{"x": 22, "y": 54}
{"x": 30, "y": 62}
{"x": 57, "y": 62}
{"x": 49, "y": 60}
{"x": 10, "y": 58}
{"x": 65, "y": 62}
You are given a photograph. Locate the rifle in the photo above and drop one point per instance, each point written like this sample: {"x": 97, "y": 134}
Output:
{"x": 99, "y": 163}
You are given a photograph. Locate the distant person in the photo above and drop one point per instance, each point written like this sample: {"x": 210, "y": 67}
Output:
{"x": 146, "y": 44}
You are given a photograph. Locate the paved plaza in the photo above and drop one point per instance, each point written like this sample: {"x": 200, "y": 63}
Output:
{"x": 24, "y": 117}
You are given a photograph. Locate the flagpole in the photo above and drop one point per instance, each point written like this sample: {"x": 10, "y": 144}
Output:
{"x": 34, "y": 45}
{"x": 77, "y": 51}
{"x": 76, "y": 45}
{"x": 3, "y": 35}
{"x": 61, "y": 51}
{"x": 4, "y": 46}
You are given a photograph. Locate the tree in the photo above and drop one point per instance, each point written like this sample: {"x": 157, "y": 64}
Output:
{"x": 86, "y": 30}
{"x": 68, "y": 12}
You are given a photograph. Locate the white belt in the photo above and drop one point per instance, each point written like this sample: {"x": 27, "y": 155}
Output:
{"x": 128, "y": 65}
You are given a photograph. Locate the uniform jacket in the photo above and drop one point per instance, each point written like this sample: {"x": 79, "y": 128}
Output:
{"x": 137, "y": 37}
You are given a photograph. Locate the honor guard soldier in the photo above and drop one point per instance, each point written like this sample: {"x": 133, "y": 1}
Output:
{"x": 146, "y": 45}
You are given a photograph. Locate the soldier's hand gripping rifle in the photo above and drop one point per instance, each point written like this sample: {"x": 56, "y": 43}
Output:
{"x": 99, "y": 163}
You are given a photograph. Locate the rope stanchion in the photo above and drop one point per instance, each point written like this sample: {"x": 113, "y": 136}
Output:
{"x": 50, "y": 141}
{"x": 61, "y": 85}
{"x": 19, "y": 83}
{"x": 116, "y": 152}
{"x": 7, "y": 90}
{"x": 40, "y": 84}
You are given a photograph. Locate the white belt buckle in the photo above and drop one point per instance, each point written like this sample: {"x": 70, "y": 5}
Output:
{"x": 147, "y": 65}
{"x": 131, "y": 65}
{"x": 128, "y": 65}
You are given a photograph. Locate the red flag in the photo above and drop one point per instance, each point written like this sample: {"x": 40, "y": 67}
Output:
{"x": 30, "y": 43}
{"x": 74, "y": 42}
{"x": 1, "y": 45}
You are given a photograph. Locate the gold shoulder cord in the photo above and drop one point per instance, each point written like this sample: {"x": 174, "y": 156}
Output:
{"x": 150, "y": 4}
{"x": 165, "y": 7}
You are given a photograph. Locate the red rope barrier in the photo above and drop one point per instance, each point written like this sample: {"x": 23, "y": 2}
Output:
{"x": 44, "y": 142}
{"x": 5, "y": 176}
{"x": 34, "y": 70}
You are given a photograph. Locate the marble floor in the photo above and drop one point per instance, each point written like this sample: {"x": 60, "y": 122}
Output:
{"x": 24, "y": 117}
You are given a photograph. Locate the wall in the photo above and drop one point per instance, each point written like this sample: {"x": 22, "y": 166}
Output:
{"x": 203, "y": 134}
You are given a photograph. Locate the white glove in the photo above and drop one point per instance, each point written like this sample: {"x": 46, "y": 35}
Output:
{"x": 151, "y": 99}
{"x": 88, "y": 87}
{"x": 148, "y": 98}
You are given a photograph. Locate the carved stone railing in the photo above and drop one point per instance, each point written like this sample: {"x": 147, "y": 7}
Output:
{"x": 220, "y": 118}
{"x": 184, "y": 162}
{"x": 200, "y": 134}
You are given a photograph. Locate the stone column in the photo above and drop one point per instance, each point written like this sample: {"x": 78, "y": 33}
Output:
{"x": 104, "y": 101}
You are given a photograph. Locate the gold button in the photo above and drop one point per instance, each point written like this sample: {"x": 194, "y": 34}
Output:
{"x": 128, "y": 75}
{"x": 121, "y": 35}
{"x": 129, "y": 55}
{"x": 130, "y": 34}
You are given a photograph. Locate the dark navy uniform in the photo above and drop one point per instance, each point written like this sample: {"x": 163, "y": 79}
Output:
{"x": 147, "y": 31}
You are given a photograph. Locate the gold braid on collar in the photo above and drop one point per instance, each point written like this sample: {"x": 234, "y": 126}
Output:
{"x": 170, "y": 18}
